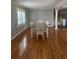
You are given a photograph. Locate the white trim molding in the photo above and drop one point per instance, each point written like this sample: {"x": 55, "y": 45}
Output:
{"x": 19, "y": 33}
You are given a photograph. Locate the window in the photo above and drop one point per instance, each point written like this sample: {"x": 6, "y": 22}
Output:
{"x": 21, "y": 16}
{"x": 64, "y": 22}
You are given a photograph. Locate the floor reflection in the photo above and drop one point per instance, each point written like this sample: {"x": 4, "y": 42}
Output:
{"x": 23, "y": 45}
{"x": 56, "y": 34}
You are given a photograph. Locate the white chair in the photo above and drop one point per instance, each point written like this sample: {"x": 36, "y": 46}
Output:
{"x": 33, "y": 27}
{"x": 40, "y": 29}
{"x": 46, "y": 27}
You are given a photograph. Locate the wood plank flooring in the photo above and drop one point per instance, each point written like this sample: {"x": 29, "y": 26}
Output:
{"x": 54, "y": 47}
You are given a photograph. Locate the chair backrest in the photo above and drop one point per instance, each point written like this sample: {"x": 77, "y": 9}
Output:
{"x": 47, "y": 23}
{"x": 40, "y": 26}
{"x": 33, "y": 24}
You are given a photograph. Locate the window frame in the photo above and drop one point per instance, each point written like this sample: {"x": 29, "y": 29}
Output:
{"x": 20, "y": 23}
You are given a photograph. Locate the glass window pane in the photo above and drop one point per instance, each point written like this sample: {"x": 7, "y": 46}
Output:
{"x": 21, "y": 16}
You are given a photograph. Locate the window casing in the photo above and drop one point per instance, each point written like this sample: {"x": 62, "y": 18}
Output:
{"x": 21, "y": 16}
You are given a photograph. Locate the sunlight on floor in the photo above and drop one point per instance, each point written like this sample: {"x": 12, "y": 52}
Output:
{"x": 23, "y": 45}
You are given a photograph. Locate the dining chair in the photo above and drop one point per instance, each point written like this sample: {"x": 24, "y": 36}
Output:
{"x": 46, "y": 28}
{"x": 40, "y": 29}
{"x": 33, "y": 27}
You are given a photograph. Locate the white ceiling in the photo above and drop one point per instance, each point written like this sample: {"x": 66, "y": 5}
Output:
{"x": 42, "y": 3}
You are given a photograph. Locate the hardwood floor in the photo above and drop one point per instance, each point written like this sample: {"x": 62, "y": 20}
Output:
{"x": 55, "y": 47}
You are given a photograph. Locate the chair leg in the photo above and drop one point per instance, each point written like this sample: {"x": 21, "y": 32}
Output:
{"x": 31, "y": 33}
{"x": 37, "y": 36}
{"x": 43, "y": 36}
{"x": 47, "y": 34}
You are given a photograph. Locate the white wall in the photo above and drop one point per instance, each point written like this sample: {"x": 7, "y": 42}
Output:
{"x": 42, "y": 14}
{"x": 14, "y": 23}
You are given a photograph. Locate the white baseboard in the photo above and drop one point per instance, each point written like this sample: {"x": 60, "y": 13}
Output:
{"x": 19, "y": 33}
